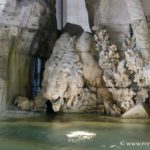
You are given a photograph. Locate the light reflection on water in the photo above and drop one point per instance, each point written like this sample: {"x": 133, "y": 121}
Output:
{"x": 71, "y": 132}
{"x": 78, "y": 136}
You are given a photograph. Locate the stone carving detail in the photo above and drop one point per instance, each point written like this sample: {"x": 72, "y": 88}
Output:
{"x": 93, "y": 74}
{"x": 126, "y": 78}
{"x": 74, "y": 81}
{"x": 62, "y": 83}
{"x": 77, "y": 80}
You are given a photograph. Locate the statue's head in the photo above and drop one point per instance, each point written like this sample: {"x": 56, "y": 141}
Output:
{"x": 55, "y": 87}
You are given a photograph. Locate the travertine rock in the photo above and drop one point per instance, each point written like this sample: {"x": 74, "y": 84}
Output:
{"x": 73, "y": 80}
{"x": 37, "y": 104}
{"x": 123, "y": 97}
{"x": 126, "y": 77}
{"x": 24, "y": 103}
{"x": 91, "y": 71}
{"x": 141, "y": 96}
{"x": 63, "y": 83}
{"x": 140, "y": 111}
{"x": 26, "y": 27}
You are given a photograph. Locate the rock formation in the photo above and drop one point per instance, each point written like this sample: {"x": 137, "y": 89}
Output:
{"x": 75, "y": 81}
{"x": 27, "y": 28}
{"x": 65, "y": 72}
{"x": 140, "y": 111}
{"x": 63, "y": 82}
{"x": 126, "y": 78}
{"x": 92, "y": 73}
{"x": 106, "y": 71}
{"x": 25, "y": 104}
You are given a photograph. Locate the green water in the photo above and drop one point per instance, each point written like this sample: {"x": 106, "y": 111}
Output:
{"x": 50, "y": 133}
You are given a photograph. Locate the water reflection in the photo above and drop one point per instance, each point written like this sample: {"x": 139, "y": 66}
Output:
{"x": 77, "y": 136}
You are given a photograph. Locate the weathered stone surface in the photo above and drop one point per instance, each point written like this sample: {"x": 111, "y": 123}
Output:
{"x": 73, "y": 80}
{"x": 92, "y": 73}
{"x": 24, "y": 103}
{"x": 76, "y": 79}
{"x": 63, "y": 82}
{"x": 72, "y": 29}
{"x": 39, "y": 103}
{"x": 24, "y": 26}
{"x": 140, "y": 111}
{"x": 124, "y": 73}
{"x": 104, "y": 12}
{"x": 36, "y": 105}
{"x": 84, "y": 47}
{"x": 140, "y": 28}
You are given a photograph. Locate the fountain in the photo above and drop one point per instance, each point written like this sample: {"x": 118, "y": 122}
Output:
{"x": 93, "y": 92}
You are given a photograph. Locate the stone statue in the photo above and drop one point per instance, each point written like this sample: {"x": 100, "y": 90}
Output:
{"x": 93, "y": 73}
{"x": 73, "y": 81}
{"x": 62, "y": 83}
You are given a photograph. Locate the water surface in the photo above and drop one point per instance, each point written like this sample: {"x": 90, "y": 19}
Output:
{"x": 19, "y": 131}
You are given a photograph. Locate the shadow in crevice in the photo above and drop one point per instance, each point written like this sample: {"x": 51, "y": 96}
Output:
{"x": 42, "y": 45}
{"x": 49, "y": 108}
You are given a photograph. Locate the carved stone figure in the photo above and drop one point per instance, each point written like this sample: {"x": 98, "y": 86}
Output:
{"x": 62, "y": 83}
{"x": 75, "y": 81}
{"x": 96, "y": 72}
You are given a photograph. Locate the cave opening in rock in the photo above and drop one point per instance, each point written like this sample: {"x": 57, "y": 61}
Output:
{"x": 49, "y": 108}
